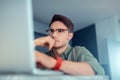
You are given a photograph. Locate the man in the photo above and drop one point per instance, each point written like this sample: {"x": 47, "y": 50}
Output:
{"x": 61, "y": 56}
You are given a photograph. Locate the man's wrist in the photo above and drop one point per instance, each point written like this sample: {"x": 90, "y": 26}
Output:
{"x": 58, "y": 63}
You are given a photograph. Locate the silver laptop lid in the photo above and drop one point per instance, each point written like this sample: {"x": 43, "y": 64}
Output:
{"x": 16, "y": 36}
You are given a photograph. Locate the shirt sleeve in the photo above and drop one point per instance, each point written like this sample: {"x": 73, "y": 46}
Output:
{"x": 83, "y": 55}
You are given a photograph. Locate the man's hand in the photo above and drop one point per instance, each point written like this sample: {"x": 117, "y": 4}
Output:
{"x": 43, "y": 60}
{"x": 45, "y": 41}
{"x": 38, "y": 63}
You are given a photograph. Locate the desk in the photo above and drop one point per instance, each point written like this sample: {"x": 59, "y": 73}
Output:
{"x": 38, "y": 77}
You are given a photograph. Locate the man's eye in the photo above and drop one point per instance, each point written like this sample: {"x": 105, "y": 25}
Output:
{"x": 60, "y": 30}
{"x": 52, "y": 30}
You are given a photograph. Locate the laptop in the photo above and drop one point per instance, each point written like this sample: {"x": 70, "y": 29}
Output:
{"x": 17, "y": 39}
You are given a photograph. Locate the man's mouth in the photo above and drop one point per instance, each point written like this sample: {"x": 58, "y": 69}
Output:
{"x": 56, "y": 40}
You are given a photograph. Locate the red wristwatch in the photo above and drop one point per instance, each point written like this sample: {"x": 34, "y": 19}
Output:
{"x": 58, "y": 63}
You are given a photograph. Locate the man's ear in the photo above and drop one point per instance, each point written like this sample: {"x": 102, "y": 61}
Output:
{"x": 70, "y": 36}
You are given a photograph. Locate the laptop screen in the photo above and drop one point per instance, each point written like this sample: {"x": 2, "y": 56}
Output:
{"x": 16, "y": 36}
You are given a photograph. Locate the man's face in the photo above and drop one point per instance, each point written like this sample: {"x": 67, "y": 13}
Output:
{"x": 60, "y": 33}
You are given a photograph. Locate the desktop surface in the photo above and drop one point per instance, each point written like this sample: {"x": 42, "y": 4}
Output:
{"x": 49, "y": 77}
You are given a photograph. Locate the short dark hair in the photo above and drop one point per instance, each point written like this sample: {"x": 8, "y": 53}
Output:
{"x": 66, "y": 21}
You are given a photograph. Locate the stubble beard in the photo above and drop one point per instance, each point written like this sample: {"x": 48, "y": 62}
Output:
{"x": 59, "y": 47}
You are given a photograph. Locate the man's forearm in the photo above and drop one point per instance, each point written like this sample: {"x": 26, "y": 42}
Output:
{"x": 76, "y": 68}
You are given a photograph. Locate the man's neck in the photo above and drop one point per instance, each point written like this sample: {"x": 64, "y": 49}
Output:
{"x": 59, "y": 51}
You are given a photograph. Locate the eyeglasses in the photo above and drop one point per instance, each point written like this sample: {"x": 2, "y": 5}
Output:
{"x": 57, "y": 30}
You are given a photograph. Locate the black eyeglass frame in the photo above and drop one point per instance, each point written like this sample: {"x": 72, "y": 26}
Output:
{"x": 59, "y": 30}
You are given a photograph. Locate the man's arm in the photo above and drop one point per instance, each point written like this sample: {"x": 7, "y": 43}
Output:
{"x": 73, "y": 68}
{"x": 76, "y": 68}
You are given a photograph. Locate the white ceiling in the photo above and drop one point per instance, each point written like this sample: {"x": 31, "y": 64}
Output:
{"x": 81, "y": 12}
